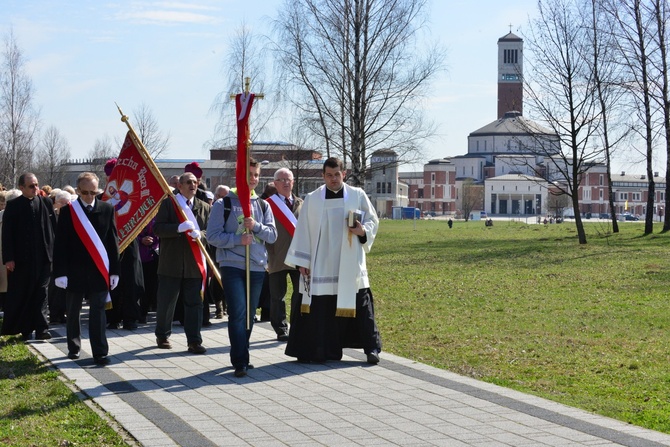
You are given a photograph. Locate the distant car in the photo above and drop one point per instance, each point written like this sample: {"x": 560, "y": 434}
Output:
{"x": 605, "y": 216}
{"x": 630, "y": 217}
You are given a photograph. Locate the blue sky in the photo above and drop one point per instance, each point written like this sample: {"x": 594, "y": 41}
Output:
{"x": 85, "y": 55}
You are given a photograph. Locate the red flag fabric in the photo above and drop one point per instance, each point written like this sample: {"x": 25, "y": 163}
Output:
{"x": 198, "y": 255}
{"x": 243, "y": 102}
{"x": 134, "y": 191}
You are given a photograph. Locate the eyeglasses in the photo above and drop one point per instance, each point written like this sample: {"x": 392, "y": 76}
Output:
{"x": 33, "y": 186}
{"x": 284, "y": 180}
{"x": 88, "y": 193}
{"x": 190, "y": 182}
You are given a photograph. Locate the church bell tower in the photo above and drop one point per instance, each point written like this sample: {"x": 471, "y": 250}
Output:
{"x": 510, "y": 74}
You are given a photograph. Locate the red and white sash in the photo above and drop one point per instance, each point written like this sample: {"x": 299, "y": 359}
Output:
{"x": 198, "y": 255}
{"x": 282, "y": 213}
{"x": 92, "y": 242}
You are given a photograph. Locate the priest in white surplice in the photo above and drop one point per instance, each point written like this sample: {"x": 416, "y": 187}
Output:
{"x": 337, "y": 308}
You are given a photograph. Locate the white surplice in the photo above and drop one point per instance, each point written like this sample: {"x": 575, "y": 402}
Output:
{"x": 321, "y": 243}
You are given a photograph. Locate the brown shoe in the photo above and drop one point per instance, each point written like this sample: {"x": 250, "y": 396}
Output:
{"x": 163, "y": 343}
{"x": 196, "y": 348}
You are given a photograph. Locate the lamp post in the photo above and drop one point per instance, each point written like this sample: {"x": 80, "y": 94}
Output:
{"x": 416, "y": 202}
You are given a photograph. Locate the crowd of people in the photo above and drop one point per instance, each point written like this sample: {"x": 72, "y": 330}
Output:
{"x": 60, "y": 250}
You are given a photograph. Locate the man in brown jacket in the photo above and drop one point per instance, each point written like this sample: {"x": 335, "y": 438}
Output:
{"x": 180, "y": 265}
{"x": 285, "y": 207}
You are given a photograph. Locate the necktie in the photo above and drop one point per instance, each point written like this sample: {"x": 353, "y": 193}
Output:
{"x": 288, "y": 202}
{"x": 89, "y": 208}
{"x": 188, "y": 203}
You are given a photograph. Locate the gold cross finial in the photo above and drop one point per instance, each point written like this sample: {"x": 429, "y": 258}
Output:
{"x": 247, "y": 82}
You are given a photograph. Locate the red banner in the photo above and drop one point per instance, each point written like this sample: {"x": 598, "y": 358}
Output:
{"x": 243, "y": 104}
{"x": 135, "y": 192}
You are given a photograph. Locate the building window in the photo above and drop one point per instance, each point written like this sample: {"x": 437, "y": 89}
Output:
{"x": 379, "y": 188}
{"x": 600, "y": 181}
{"x": 432, "y": 191}
{"x": 388, "y": 187}
{"x": 383, "y": 170}
{"x": 511, "y": 56}
{"x": 432, "y": 177}
{"x": 636, "y": 196}
{"x": 601, "y": 193}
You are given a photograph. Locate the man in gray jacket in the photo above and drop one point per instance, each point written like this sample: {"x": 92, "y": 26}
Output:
{"x": 230, "y": 232}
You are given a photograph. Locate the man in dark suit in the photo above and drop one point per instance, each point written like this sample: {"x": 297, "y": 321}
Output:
{"x": 180, "y": 265}
{"x": 86, "y": 264}
{"x": 27, "y": 247}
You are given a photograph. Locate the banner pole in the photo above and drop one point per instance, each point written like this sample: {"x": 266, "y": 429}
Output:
{"x": 166, "y": 188}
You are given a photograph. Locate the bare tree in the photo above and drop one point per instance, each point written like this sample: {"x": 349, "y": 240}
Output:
{"x": 633, "y": 32}
{"x": 19, "y": 120}
{"x": 245, "y": 59}
{"x": 606, "y": 74}
{"x": 102, "y": 151}
{"x": 147, "y": 129}
{"x": 662, "y": 97}
{"x": 51, "y": 155}
{"x": 557, "y": 201}
{"x": 472, "y": 198}
{"x": 298, "y": 157}
{"x": 562, "y": 91}
{"x": 359, "y": 73}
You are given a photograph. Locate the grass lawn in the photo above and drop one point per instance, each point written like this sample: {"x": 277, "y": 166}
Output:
{"x": 527, "y": 307}
{"x": 522, "y": 306}
{"x": 38, "y": 409}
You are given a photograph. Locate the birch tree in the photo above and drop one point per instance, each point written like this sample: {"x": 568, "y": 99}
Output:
{"x": 19, "y": 119}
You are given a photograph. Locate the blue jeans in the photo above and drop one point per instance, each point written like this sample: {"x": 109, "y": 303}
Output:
{"x": 234, "y": 289}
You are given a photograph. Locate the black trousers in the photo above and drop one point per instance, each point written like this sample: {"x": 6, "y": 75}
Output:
{"x": 26, "y": 300}
{"x": 96, "y": 322}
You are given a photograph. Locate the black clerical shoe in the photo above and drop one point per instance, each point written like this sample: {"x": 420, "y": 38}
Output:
{"x": 101, "y": 360}
{"x": 43, "y": 336}
{"x": 282, "y": 337}
{"x": 373, "y": 358}
{"x": 73, "y": 355}
{"x": 241, "y": 371}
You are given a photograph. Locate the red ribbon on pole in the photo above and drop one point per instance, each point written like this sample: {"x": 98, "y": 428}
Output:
{"x": 243, "y": 102}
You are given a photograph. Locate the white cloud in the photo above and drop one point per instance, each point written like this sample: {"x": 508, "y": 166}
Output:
{"x": 168, "y": 13}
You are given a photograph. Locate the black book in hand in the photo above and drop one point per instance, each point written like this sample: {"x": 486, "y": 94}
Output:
{"x": 354, "y": 216}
